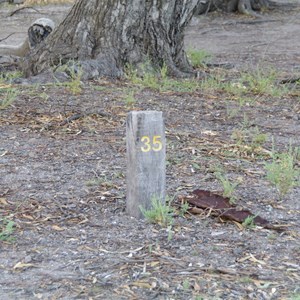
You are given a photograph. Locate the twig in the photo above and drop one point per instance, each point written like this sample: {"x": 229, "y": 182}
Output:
{"x": 250, "y": 22}
{"x": 290, "y": 80}
{"x": 81, "y": 115}
{"x": 7, "y": 37}
{"x": 72, "y": 118}
{"x": 24, "y": 7}
{"x": 227, "y": 271}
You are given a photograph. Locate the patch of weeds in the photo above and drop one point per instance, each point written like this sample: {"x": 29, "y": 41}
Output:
{"x": 258, "y": 139}
{"x": 102, "y": 181}
{"x": 282, "y": 171}
{"x": 196, "y": 166}
{"x": 150, "y": 248}
{"x": 75, "y": 85}
{"x": 249, "y": 222}
{"x": 75, "y": 74}
{"x": 184, "y": 209}
{"x": 6, "y": 230}
{"x": 232, "y": 112}
{"x": 174, "y": 161}
{"x": 294, "y": 297}
{"x": 215, "y": 248}
{"x": 99, "y": 88}
{"x": 9, "y": 96}
{"x": 272, "y": 237}
{"x": 251, "y": 139}
{"x": 8, "y": 77}
{"x": 246, "y": 122}
{"x": 159, "y": 212}
{"x": 150, "y": 80}
{"x": 118, "y": 175}
{"x": 131, "y": 74}
{"x": 44, "y": 96}
{"x": 129, "y": 98}
{"x": 231, "y": 88}
{"x": 164, "y": 72}
{"x": 263, "y": 82}
{"x": 143, "y": 75}
{"x": 236, "y": 90}
{"x": 147, "y": 77}
{"x": 249, "y": 87}
{"x": 239, "y": 136}
{"x": 212, "y": 83}
{"x": 186, "y": 284}
{"x": 228, "y": 187}
{"x": 170, "y": 233}
{"x": 182, "y": 86}
{"x": 198, "y": 58}
{"x": 245, "y": 279}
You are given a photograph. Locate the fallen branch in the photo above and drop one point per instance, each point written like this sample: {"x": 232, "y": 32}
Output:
{"x": 24, "y": 7}
{"x": 290, "y": 80}
{"x": 1, "y": 40}
{"x": 81, "y": 115}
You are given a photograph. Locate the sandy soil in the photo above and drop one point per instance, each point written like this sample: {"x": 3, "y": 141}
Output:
{"x": 63, "y": 183}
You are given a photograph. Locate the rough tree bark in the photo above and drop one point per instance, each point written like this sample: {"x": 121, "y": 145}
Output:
{"x": 105, "y": 35}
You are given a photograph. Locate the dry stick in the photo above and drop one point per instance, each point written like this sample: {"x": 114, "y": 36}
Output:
{"x": 76, "y": 117}
{"x": 290, "y": 80}
{"x": 227, "y": 271}
{"x": 25, "y": 7}
{"x": 81, "y": 115}
{"x": 1, "y": 40}
{"x": 249, "y": 22}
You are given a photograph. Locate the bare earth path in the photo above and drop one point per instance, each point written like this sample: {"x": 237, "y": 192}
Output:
{"x": 63, "y": 183}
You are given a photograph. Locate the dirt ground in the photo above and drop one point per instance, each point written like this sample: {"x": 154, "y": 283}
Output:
{"x": 63, "y": 183}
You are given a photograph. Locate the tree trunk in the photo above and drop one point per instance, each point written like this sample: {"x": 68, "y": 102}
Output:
{"x": 105, "y": 35}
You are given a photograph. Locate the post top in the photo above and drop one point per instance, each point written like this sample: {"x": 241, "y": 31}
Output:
{"x": 147, "y": 112}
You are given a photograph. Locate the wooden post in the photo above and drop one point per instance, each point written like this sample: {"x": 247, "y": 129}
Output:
{"x": 146, "y": 160}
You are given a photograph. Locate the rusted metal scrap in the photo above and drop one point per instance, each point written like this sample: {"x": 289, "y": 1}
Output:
{"x": 221, "y": 207}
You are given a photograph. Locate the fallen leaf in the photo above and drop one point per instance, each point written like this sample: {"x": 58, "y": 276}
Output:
{"x": 197, "y": 287}
{"x": 154, "y": 263}
{"x": 21, "y": 265}
{"x": 4, "y": 153}
{"x": 253, "y": 259}
{"x": 3, "y": 201}
{"x": 27, "y": 217}
{"x": 243, "y": 258}
{"x": 222, "y": 207}
{"x": 142, "y": 284}
{"x": 57, "y": 228}
{"x": 209, "y": 132}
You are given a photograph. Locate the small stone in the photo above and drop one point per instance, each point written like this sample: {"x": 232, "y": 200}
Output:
{"x": 27, "y": 259}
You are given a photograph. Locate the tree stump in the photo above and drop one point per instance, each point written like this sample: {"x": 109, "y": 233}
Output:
{"x": 146, "y": 156}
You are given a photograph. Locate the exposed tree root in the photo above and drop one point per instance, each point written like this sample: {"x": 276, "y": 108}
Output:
{"x": 248, "y": 7}
{"x": 245, "y": 7}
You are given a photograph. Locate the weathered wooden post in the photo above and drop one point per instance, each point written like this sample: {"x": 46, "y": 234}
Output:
{"x": 146, "y": 156}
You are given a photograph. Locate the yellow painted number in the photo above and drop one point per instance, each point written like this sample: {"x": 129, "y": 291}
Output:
{"x": 156, "y": 144}
{"x": 147, "y": 145}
